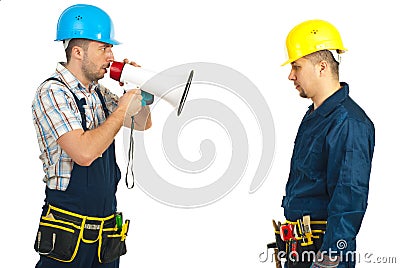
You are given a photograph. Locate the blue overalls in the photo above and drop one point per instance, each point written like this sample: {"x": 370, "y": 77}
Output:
{"x": 91, "y": 191}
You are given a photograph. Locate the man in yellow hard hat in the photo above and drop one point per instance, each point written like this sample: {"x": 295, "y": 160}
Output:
{"x": 327, "y": 189}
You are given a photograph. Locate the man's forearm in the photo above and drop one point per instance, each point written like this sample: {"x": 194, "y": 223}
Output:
{"x": 100, "y": 138}
{"x": 86, "y": 146}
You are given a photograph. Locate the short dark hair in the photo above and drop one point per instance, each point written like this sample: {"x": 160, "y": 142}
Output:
{"x": 326, "y": 55}
{"x": 80, "y": 42}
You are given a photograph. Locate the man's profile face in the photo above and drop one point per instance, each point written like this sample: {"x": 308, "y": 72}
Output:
{"x": 303, "y": 74}
{"x": 96, "y": 60}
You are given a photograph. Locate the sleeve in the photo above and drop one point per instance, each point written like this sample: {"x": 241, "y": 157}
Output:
{"x": 350, "y": 148}
{"x": 56, "y": 111}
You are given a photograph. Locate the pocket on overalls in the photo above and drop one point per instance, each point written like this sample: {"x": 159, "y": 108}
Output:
{"x": 57, "y": 239}
{"x": 112, "y": 244}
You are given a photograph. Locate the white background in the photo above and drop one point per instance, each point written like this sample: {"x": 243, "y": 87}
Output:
{"x": 245, "y": 35}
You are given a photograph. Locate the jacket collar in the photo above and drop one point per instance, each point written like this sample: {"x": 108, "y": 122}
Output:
{"x": 332, "y": 101}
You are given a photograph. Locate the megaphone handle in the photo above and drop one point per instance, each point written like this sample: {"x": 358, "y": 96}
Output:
{"x": 127, "y": 86}
{"x": 147, "y": 97}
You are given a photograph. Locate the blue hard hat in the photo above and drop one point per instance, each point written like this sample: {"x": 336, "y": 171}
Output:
{"x": 86, "y": 21}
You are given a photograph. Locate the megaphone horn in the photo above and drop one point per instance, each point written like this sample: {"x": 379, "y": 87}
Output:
{"x": 160, "y": 85}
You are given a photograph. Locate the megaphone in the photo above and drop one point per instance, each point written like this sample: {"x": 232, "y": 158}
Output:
{"x": 172, "y": 88}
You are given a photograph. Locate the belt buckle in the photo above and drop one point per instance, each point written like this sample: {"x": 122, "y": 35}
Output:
{"x": 92, "y": 226}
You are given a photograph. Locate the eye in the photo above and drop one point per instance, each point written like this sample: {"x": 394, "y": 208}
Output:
{"x": 295, "y": 67}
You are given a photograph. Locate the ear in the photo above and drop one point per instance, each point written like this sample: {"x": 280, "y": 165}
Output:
{"x": 77, "y": 53}
{"x": 323, "y": 67}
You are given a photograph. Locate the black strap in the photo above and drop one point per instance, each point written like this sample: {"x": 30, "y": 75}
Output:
{"x": 103, "y": 103}
{"x": 130, "y": 158}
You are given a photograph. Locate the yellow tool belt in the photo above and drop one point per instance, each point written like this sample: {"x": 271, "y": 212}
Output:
{"x": 317, "y": 228}
{"x": 295, "y": 239}
{"x": 60, "y": 233}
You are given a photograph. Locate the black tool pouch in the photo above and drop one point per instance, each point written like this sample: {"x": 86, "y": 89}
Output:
{"x": 281, "y": 245}
{"x": 58, "y": 239}
{"x": 112, "y": 244}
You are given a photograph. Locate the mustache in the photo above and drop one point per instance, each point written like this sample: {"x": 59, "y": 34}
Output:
{"x": 106, "y": 65}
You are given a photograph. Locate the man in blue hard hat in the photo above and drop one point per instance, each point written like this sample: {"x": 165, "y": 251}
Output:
{"x": 76, "y": 120}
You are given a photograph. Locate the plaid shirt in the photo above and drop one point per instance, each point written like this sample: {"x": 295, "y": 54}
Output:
{"x": 55, "y": 113}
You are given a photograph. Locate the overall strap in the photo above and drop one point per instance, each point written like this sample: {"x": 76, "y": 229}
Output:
{"x": 79, "y": 102}
{"x": 103, "y": 103}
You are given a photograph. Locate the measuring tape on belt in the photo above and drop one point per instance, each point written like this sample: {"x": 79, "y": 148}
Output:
{"x": 301, "y": 230}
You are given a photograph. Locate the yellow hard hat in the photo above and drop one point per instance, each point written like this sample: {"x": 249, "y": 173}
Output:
{"x": 311, "y": 36}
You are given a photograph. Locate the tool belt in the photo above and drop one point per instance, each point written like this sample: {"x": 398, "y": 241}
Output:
{"x": 299, "y": 241}
{"x": 60, "y": 233}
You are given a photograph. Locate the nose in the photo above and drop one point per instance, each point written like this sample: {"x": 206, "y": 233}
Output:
{"x": 110, "y": 56}
{"x": 291, "y": 76}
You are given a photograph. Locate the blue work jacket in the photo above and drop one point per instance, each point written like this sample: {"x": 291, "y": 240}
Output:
{"x": 330, "y": 169}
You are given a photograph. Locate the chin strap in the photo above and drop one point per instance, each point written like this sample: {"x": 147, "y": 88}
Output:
{"x": 337, "y": 55}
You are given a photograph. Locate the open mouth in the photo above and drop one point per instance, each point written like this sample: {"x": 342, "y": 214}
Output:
{"x": 105, "y": 67}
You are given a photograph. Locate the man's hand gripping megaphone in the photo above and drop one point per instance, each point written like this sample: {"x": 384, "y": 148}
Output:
{"x": 147, "y": 98}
